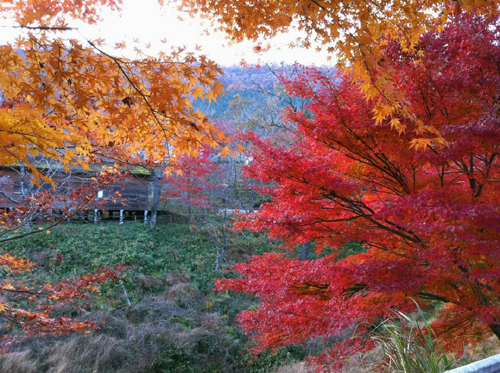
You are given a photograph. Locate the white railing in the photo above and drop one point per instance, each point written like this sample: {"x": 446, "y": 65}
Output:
{"x": 489, "y": 365}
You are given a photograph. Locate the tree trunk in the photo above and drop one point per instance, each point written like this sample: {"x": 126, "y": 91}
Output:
{"x": 221, "y": 249}
{"x": 304, "y": 251}
{"x": 495, "y": 328}
{"x": 23, "y": 182}
{"x": 156, "y": 191}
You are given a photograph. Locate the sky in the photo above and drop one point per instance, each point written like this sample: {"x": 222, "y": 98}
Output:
{"x": 148, "y": 22}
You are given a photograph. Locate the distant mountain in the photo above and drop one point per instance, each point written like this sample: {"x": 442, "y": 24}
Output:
{"x": 251, "y": 92}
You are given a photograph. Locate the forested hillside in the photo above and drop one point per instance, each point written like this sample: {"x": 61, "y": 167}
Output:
{"x": 254, "y": 96}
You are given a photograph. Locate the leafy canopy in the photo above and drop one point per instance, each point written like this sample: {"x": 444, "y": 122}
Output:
{"x": 75, "y": 101}
{"x": 355, "y": 31}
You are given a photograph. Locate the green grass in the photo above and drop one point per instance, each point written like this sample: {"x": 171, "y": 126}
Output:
{"x": 170, "y": 268}
{"x": 172, "y": 248}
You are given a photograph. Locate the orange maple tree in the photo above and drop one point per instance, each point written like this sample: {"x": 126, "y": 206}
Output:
{"x": 429, "y": 221}
{"x": 75, "y": 95}
{"x": 76, "y": 102}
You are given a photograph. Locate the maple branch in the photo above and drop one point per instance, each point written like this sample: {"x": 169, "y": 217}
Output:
{"x": 386, "y": 189}
{"x": 23, "y": 291}
{"x": 456, "y": 325}
{"x": 486, "y": 286}
{"x": 8, "y": 197}
{"x": 118, "y": 63}
{"x": 44, "y": 229}
{"x": 120, "y": 161}
{"x": 358, "y": 208}
{"x": 418, "y": 240}
{"x": 431, "y": 296}
{"x": 44, "y": 28}
{"x": 350, "y": 291}
{"x": 28, "y": 136}
{"x": 289, "y": 312}
{"x": 319, "y": 5}
{"x": 323, "y": 220}
{"x": 375, "y": 159}
{"x": 386, "y": 249}
{"x": 30, "y": 232}
{"x": 398, "y": 231}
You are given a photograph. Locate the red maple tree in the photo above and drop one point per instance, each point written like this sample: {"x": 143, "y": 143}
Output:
{"x": 428, "y": 218}
{"x": 192, "y": 178}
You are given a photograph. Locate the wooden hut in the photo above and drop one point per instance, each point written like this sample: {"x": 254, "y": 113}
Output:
{"x": 129, "y": 196}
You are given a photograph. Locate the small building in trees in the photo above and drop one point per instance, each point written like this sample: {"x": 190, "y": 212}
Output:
{"x": 129, "y": 195}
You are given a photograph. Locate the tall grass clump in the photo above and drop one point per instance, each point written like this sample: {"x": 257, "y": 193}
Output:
{"x": 411, "y": 346}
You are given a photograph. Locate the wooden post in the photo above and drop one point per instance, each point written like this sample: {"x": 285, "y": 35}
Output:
{"x": 121, "y": 216}
{"x": 95, "y": 215}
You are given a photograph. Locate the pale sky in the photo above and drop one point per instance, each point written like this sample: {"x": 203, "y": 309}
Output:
{"x": 147, "y": 21}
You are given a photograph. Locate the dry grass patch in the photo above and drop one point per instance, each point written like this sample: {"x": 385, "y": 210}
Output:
{"x": 97, "y": 353}
{"x": 19, "y": 362}
{"x": 298, "y": 367}
{"x": 182, "y": 292}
